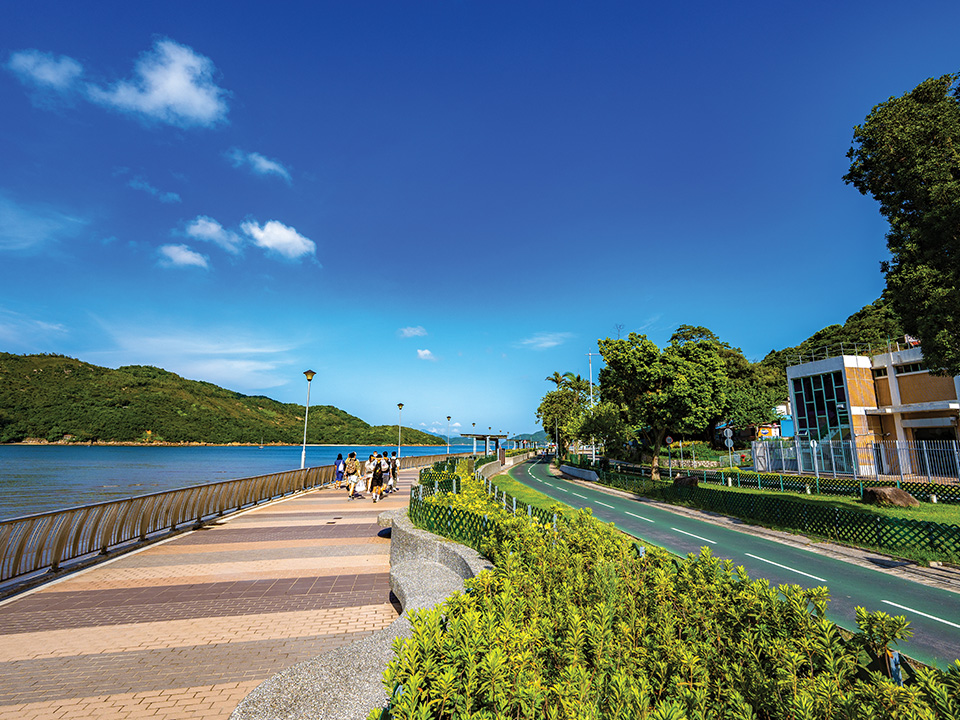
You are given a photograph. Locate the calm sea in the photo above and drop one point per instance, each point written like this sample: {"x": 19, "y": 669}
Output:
{"x": 38, "y": 478}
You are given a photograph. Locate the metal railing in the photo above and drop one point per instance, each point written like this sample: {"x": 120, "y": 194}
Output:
{"x": 932, "y": 461}
{"x": 46, "y": 542}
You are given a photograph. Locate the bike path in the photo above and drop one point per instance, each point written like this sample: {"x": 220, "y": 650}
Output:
{"x": 934, "y": 614}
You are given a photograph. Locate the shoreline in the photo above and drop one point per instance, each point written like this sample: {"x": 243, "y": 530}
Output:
{"x": 131, "y": 443}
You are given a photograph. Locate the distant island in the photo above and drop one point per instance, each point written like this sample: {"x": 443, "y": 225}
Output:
{"x": 57, "y": 399}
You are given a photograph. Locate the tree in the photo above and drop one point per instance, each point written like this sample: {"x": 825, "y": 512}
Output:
{"x": 679, "y": 388}
{"x": 907, "y": 156}
{"x": 601, "y": 422}
{"x": 749, "y": 401}
{"x": 556, "y": 409}
{"x": 556, "y": 379}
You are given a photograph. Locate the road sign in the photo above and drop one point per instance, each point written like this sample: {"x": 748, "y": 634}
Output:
{"x": 669, "y": 440}
{"x": 728, "y": 433}
{"x": 728, "y": 442}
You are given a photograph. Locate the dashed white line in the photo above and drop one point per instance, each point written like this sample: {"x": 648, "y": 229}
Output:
{"x": 639, "y": 517}
{"x": 580, "y": 496}
{"x": 932, "y": 617}
{"x": 799, "y": 572}
{"x": 562, "y": 489}
{"x": 604, "y": 504}
{"x": 712, "y": 542}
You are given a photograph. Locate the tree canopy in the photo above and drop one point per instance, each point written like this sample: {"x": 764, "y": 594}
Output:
{"x": 906, "y": 155}
{"x": 679, "y": 388}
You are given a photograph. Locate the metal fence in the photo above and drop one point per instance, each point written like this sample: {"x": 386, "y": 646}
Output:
{"x": 46, "y": 542}
{"x": 932, "y": 461}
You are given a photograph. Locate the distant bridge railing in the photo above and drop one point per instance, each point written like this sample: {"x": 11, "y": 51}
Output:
{"x": 34, "y": 545}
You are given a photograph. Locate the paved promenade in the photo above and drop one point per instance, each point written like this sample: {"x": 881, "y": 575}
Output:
{"x": 186, "y": 628}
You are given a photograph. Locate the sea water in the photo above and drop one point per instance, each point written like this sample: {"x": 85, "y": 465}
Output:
{"x": 39, "y": 478}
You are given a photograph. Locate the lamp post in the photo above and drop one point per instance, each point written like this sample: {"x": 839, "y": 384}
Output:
{"x": 593, "y": 445}
{"x": 399, "y": 426}
{"x": 474, "y": 438}
{"x": 303, "y": 454}
{"x": 448, "y": 434}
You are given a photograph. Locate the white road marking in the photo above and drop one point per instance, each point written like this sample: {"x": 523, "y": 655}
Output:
{"x": 712, "y": 542}
{"x": 639, "y": 517}
{"x": 580, "y": 496}
{"x": 932, "y": 617}
{"x": 604, "y": 504}
{"x": 799, "y": 572}
{"x": 562, "y": 489}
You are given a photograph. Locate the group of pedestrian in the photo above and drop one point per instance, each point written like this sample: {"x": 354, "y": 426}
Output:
{"x": 378, "y": 474}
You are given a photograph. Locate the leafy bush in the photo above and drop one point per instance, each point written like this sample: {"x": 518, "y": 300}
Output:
{"x": 573, "y": 623}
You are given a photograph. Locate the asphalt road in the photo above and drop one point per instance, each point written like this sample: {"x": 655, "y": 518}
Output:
{"x": 934, "y": 614}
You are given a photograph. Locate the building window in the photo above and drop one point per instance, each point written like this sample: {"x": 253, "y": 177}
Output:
{"x": 821, "y": 402}
{"x": 880, "y": 372}
{"x": 909, "y": 368}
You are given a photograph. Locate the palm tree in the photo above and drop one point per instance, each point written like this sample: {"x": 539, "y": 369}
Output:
{"x": 556, "y": 379}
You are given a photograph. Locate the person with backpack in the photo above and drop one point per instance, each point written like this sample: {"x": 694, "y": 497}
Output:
{"x": 338, "y": 467}
{"x": 376, "y": 481}
{"x": 352, "y": 473}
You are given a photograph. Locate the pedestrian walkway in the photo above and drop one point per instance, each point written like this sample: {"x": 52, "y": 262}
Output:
{"x": 186, "y": 628}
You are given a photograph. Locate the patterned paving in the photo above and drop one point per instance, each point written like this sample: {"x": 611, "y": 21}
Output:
{"x": 187, "y": 628}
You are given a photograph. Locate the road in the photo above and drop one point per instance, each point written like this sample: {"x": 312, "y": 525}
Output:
{"x": 934, "y": 614}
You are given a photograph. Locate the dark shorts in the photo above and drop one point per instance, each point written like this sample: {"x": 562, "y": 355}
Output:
{"x": 376, "y": 482}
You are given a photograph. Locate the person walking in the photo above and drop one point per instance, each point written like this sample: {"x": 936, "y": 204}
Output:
{"x": 352, "y": 472}
{"x": 394, "y": 470}
{"x": 338, "y": 467}
{"x": 367, "y": 480}
{"x": 376, "y": 482}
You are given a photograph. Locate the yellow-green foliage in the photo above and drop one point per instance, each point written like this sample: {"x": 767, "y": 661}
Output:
{"x": 572, "y": 623}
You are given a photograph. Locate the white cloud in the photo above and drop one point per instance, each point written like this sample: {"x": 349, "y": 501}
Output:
{"x": 258, "y": 163}
{"x": 41, "y": 69}
{"x": 139, "y": 183}
{"x": 409, "y": 332}
{"x": 456, "y": 425}
{"x": 426, "y": 355}
{"x": 545, "y": 340}
{"x": 20, "y": 332}
{"x": 171, "y": 84}
{"x": 24, "y": 227}
{"x": 181, "y": 256}
{"x": 227, "y": 356}
{"x": 206, "y": 228}
{"x": 280, "y": 239}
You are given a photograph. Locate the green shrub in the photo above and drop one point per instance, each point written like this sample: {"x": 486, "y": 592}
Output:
{"x": 574, "y": 623}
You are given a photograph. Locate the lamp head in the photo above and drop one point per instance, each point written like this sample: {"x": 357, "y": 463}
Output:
{"x": 309, "y": 374}
{"x": 448, "y": 418}
{"x": 399, "y": 406}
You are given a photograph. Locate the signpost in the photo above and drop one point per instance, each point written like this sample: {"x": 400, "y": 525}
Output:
{"x": 728, "y": 434}
{"x": 669, "y": 442}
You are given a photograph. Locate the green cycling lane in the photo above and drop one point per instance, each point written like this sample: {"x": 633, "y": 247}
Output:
{"x": 934, "y": 614}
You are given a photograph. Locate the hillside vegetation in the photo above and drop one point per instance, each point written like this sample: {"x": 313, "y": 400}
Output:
{"x": 56, "y": 398}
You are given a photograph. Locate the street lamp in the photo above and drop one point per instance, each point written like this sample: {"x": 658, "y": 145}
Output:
{"x": 399, "y": 425}
{"x": 303, "y": 454}
{"x": 474, "y": 438}
{"x": 448, "y": 434}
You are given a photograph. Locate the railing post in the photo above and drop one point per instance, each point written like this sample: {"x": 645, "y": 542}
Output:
{"x": 926, "y": 458}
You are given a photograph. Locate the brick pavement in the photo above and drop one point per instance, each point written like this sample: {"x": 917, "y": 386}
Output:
{"x": 186, "y": 628}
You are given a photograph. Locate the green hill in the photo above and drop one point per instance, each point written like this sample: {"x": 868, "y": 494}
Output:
{"x": 52, "y": 397}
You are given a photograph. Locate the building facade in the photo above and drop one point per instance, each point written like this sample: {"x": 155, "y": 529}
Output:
{"x": 878, "y": 408}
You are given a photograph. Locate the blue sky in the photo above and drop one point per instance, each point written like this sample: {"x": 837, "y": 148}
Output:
{"x": 437, "y": 203}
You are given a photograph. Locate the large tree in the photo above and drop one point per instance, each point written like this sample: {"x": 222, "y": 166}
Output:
{"x": 907, "y": 156}
{"x": 556, "y": 409}
{"x": 677, "y": 389}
